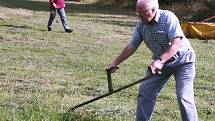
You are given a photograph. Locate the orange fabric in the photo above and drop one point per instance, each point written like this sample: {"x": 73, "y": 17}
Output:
{"x": 201, "y": 30}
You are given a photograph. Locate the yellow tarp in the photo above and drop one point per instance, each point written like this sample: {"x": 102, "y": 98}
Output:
{"x": 201, "y": 30}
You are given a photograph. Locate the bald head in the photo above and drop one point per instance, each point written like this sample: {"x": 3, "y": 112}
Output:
{"x": 147, "y": 9}
{"x": 147, "y": 4}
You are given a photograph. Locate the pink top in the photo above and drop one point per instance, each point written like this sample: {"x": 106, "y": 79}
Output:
{"x": 59, "y": 3}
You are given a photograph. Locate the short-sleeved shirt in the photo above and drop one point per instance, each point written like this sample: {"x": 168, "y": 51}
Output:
{"x": 158, "y": 36}
{"x": 59, "y": 3}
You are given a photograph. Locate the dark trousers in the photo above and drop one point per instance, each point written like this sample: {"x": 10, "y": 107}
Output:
{"x": 61, "y": 12}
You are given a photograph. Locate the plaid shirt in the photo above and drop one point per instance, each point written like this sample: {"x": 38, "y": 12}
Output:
{"x": 158, "y": 36}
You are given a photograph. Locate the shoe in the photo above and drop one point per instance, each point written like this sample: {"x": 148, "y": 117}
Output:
{"x": 68, "y": 30}
{"x": 49, "y": 29}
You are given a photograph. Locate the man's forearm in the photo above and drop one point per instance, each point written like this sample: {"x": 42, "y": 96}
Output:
{"x": 171, "y": 51}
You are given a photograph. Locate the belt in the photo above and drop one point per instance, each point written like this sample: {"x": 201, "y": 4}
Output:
{"x": 176, "y": 56}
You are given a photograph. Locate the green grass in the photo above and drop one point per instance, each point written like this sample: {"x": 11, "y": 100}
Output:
{"x": 44, "y": 73}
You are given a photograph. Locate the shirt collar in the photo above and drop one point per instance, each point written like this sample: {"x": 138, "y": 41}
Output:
{"x": 157, "y": 16}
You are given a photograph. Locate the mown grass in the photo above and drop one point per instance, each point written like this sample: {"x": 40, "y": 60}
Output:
{"x": 44, "y": 73}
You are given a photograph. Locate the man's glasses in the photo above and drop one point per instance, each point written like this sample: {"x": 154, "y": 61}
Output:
{"x": 142, "y": 13}
{"x": 139, "y": 14}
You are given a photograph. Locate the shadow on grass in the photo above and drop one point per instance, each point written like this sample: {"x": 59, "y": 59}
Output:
{"x": 71, "y": 7}
{"x": 15, "y": 26}
{"x": 96, "y": 8}
{"x": 26, "y": 4}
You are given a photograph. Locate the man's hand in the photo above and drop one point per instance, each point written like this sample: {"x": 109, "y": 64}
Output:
{"x": 156, "y": 66}
{"x": 112, "y": 68}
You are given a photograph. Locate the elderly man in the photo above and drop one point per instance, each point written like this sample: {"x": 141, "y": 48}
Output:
{"x": 58, "y": 6}
{"x": 172, "y": 54}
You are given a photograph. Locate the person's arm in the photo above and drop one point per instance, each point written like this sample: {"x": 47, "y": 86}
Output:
{"x": 127, "y": 51}
{"x": 157, "y": 64}
{"x": 53, "y": 4}
{"x": 171, "y": 51}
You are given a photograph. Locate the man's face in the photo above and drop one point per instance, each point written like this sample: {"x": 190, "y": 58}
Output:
{"x": 146, "y": 15}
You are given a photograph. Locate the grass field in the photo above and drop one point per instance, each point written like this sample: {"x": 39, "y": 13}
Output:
{"x": 43, "y": 74}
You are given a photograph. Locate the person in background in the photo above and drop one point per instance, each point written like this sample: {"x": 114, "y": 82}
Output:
{"x": 57, "y": 6}
{"x": 172, "y": 54}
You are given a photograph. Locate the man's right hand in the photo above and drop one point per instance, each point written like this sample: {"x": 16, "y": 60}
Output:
{"x": 111, "y": 68}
